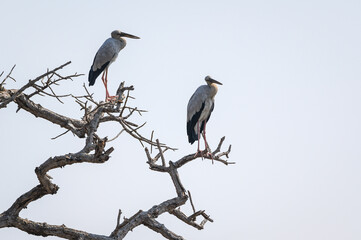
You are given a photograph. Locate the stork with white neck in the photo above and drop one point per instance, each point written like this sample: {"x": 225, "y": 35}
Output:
{"x": 199, "y": 109}
{"x": 107, "y": 54}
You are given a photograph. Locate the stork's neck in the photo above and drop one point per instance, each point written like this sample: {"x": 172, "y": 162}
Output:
{"x": 121, "y": 43}
{"x": 122, "y": 40}
{"x": 214, "y": 89}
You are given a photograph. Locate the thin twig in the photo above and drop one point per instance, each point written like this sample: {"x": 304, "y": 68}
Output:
{"x": 125, "y": 103}
{"x": 206, "y": 216}
{"x": 56, "y": 95}
{"x": 29, "y": 84}
{"x": 118, "y": 218}
{"x": 160, "y": 152}
{"x": 60, "y": 135}
{"x": 8, "y": 76}
{"x": 194, "y": 215}
{"x": 135, "y": 129}
{"x": 116, "y": 136}
{"x": 130, "y": 113}
{"x": 151, "y": 139}
{"x": 51, "y": 95}
{"x": 190, "y": 199}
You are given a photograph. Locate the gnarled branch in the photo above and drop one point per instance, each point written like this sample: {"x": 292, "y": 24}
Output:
{"x": 95, "y": 150}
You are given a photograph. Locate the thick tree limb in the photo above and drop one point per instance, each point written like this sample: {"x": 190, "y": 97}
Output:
{"x": 74, "y": 125}
{"x": 160, "y": 228}
{"x": 44, "y": 229}
{"x": 96, "y": 151}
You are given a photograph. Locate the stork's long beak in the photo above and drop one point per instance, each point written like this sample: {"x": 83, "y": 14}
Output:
{"x": 211, "y": 80}
{"x": 123, "y": 34}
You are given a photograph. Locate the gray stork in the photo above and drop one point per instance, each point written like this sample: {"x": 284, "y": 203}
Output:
{"x": 199, "y": 109}
{"x": 107, "y": 54}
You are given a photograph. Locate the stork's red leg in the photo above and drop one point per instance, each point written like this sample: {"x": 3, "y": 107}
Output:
{"x": 199, "y": 138}
{"x": 206, "y": 143}
{"x": 104, "y": 79}
{"x": 198, "y": 135}
{"x": 111, "y": 98}
{"x": 204, "y": 136}
{"x": 106, "y": 84}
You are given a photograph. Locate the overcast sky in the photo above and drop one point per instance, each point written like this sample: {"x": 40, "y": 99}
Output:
{"x": 290, "y": 105}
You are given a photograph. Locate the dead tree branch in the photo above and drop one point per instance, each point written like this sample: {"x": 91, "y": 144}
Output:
{"x": 95, "y": 150}
{"x": 29, "y": 84}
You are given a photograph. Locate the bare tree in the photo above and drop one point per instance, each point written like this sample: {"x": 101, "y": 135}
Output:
{"x": 96, "y": 151}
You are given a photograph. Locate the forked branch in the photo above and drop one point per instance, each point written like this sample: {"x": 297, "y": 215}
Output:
{"x": 95, "y": 150}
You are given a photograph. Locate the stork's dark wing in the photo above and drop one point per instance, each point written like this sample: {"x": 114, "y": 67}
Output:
{"x": 195, "y": 107}
{"x": 192, "y": 134}
{"x": 210, "y": 113}
{"x": 94, "y": 74}
{"x": 105, "y": 55}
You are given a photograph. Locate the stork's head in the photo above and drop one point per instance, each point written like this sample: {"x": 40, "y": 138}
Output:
{"x": 118, "y": 34}
{"x": 210, "y": 80}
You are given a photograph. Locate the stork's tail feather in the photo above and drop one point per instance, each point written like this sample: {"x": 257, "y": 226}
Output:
{"x": 192, "y": 135}
{"x": 92, "y": 77}
{"x": 94, "y": 74}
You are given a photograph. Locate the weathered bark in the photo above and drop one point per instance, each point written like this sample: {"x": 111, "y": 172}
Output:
{"x": 95, "y": 151}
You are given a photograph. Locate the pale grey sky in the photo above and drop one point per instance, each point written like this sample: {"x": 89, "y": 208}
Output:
{"x": 290, "y": 106}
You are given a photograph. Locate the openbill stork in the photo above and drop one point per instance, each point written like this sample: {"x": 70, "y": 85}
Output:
{"x": 199, "y": 109}
{"x": 106, "y": 55}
